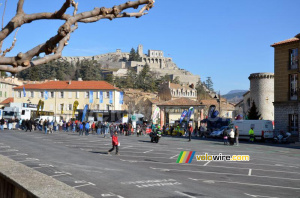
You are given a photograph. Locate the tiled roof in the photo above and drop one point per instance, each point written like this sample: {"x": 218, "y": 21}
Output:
{"x": 75, "y": 85}
{"x": 180, "y": 102}
{"x": 7, "y": 101}
{"x": 286, "y": 41}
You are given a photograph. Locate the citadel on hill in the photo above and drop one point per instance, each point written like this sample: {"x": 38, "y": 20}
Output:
{"x": 117, "y": 63}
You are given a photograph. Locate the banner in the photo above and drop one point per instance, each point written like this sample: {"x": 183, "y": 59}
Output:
{"x": 121, "y": 97}
{"x": 189, "y": 114}
{"x": 101, "y": 97}
{"x": 46, "y": 95}
{"x": 91, "y": 97}
{"x": 24, "y": 92}
{"x": 110, "y": 97}
{"x": 84, "y": 112}
{"x": 155, "y": 113}
{"x": 62, "y": 108}
{"x": 184, "y": 113}
{"x": 75, "y": 105}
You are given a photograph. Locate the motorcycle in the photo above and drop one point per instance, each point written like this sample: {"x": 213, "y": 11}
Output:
{"x": 155, "y": 136}
{"x": 282, "y": 137}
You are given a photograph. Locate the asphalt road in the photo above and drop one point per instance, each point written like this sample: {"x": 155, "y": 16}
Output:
{"x": 145, "y": 169}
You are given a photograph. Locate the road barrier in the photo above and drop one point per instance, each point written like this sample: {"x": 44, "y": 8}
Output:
{"x": 20, "y": 181}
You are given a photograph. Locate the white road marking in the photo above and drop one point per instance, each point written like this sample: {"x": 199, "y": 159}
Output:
{"x": 250, "y": 171}
{"x": 127, "y": 147}
{"x": 9, "y": 150}
{"x": 88, "y": 184}
{"x": 111, "y": 195}
{"x": 259, "y": 196}
{"x": 43, "y": 166}
{"x": 147, "y": 151}
{"x": 161, "y": 169}
{"x": 18, "y": 154}
{"x": 60, "y": 174}
{"x": 4, "y": 146}
{"x": 28, "y": 160}
{"x": 206, "y": 163}
{"x": 174, "y": 156}
{"x": 219, "y": 173}
{"x": 183, "y": 194}
{"x": 248, "y": 184}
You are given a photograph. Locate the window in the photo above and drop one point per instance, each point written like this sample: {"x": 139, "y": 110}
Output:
{"x": 77, "y": 94}
{"x": 70, "y": 108}
{"x": 5, "y": 95}
{"x": 293, "y": 62}
{"x": 98, "y": 106}
{"x": 87, "y": 94}
{"x": 107, "y": 94}
{"x": 32, "y": 94}
{"x": 52, "y": 94}
{"x": 293, "y": 86}
{"x": 61, "y": 94}
{"x": 0, "y": 93}
{"x": 98, "y": 95}
{"x": 70, "y": 94}
{"x": 23, "y": 112}
{"x": 293, "y": 124}
{"x": 107, "y": 107}
{"x": 19, "y": 94}
{"x": 41, "y": 94}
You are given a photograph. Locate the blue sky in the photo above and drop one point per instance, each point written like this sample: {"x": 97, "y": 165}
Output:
{"x": 225, "y": 39}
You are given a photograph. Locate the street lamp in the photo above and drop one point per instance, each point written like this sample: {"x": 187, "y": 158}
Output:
{"x": 219, "y": 101}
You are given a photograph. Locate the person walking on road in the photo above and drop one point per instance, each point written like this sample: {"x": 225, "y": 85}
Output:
{"x": 225, "y": 136}
{"x": 231, "y": 135}
{"x": 81, "y": 129}
{"x": 2, "y": 124}
{"x": 251, "y": 135}
{"x": 87, "y": 128}
{"x": 115, "y": 143}
{"x": 190, "y": 130}
{"x": 237, "y": 134}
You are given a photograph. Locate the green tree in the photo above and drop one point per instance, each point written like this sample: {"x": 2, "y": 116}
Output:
{"x": 201, "y": 92}
{"x": 176, "y": 80}
{"x": 109, "y": 78}
{"x": 253, "y": 113}
{"x": 134, "y": 56}
{"x": 131, "y": 79}
{"x": 209, "y": 84}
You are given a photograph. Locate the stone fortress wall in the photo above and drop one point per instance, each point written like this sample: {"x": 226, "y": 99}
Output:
{"x": 155, "y": 59}
{"x": 262, "y": 92}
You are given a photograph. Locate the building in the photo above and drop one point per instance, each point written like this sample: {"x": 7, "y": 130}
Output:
{"x": 6, "y": 89}
{"x": 171, "y": 91}
{"x": 59, "y": 97}
{"x": 286, "y": 83}
{"x": 117, "y": 63}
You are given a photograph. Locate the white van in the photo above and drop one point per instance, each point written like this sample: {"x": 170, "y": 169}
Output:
{"x": 263, "y": 129}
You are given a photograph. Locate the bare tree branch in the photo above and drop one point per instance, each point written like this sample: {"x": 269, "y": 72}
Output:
{"x": 54, "y": 46}
{"x": 12, "y": 45}
{"x": 1, "y": 43}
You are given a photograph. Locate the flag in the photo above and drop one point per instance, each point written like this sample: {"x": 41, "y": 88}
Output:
{"x": 91, "y": 96}
{"x": 183, "y": 115}
{"x": 24, "y": 92}
{"x": 121, "y": 97}
{"x": 46, "y": 95}
{"x": 110, "y": 97}
{"x": 84, "y": 112}
{"x": 155, "y": 113}
{"x": 189, "y": 114}
{"x": 101, "y": 97}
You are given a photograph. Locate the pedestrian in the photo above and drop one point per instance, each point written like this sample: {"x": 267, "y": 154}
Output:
{"x": 55, "y": 125}
{"x": 45, "y": 125}
{"x": 99, "y": 127}
{"x": 29, "y": 126}
{"x": 129, "y": 129}
{"x": 251, "y": 135}
{"x": 225, "y": 136}
{"x": 2, "y": 124}
{"x": 87, "y": 128}
{"x": 115, "y": 143}
{"x": 237, "y": 134}
{"x": 231, "y": 135}
{"x": 121, "y": 128}
{"x": 164, "y": 129}
{"x": 190, "y": 130}
{"x": 111, "y": 129}
{"x": 93, "y": 128}
{"x": 81, "y": 129}
{"x": 50, "y": 126}
{"x": 61, "y": 125}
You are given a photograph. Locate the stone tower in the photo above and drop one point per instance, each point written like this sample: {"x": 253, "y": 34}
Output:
{"x": 140, "y": 50}
{"x": 262, "y": 92}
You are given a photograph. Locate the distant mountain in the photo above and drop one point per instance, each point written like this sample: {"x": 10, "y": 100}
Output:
{"x": 234, "y": 96}
{"x": 236, "y": 91}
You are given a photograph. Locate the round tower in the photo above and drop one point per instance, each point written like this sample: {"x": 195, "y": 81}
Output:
{"x": 262, "y": 92}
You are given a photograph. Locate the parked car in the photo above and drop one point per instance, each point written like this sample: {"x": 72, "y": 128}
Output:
{"x": 219, "y": 133}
